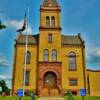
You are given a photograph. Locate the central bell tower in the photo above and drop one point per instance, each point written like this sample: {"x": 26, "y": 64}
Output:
{"x": 49, "y": 66}
{"x": 50, "y": 28}
{"x": 50, "y": 15}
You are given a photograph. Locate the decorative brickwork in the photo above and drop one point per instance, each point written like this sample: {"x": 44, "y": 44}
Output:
{"x": 45, "y": 67}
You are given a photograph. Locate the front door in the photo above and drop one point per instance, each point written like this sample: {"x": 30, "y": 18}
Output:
{"x": 50, "y": 81}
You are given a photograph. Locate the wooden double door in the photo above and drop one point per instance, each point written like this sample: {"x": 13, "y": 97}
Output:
{"x": 50, "y": 80}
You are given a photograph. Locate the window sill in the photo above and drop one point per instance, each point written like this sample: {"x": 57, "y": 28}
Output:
{"x": 72, "y": 69}
{"x": 73, "y": 85}
{"x": 27, "y": 85}
{"x": 49, "y": 42}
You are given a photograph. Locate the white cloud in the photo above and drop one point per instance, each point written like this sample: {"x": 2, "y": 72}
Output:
{"x": 93, "y": 51}
{"x": 3, "y": 61}
{"x": 17, "y": 25}
{"x": 5, "y": 77}
{"x": 97, "y": 51}
{"x": 93, "y": 56}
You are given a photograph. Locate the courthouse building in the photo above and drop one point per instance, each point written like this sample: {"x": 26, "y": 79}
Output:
{"x": 55, "y": 63}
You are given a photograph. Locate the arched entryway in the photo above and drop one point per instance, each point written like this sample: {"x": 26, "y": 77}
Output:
{"x": 50, "y": 83}
{"x": 50, "y": 80}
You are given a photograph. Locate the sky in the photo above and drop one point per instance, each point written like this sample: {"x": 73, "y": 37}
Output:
{"x": 77, "y": 16}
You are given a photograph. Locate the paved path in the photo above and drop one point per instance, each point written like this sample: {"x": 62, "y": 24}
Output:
{"x": 51, "y": 98}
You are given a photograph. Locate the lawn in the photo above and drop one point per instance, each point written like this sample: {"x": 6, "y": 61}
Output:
{"x": 85, "y": 98}
{"x": 36, "y": 98}
{"x": 16, "y": 98}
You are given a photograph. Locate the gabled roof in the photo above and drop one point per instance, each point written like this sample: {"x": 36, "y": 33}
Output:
{"x": 72, "y": 40}
{"x": 91, "y": 70}
{"x": 51, "y": 2}
{"x": 65, "y": 39}
{"x": 32, "y": 39}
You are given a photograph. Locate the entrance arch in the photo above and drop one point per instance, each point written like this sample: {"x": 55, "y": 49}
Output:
{"x": 50, "y": 80}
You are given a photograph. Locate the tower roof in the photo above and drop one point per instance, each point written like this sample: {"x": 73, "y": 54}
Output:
{"x": 50, "y": 3}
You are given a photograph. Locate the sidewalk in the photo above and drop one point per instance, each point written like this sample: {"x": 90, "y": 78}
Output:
{"x": 51, "y": 98}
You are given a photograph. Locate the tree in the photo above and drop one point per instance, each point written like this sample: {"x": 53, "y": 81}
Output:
{"x": 2, "y": 26}
{"x": 4, "y": 87}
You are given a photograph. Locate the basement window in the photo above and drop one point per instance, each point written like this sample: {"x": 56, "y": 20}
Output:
{"x": 72, "y": 82}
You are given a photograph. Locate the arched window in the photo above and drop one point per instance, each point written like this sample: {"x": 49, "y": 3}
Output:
{"x": 47, "y": 21}
{"x": 53, "y": 21}
{"x": 28, "y": 57}
{"x": 72, "y": 61}
{"x": 46, "y": 55}
{"x": 54, "y": 55}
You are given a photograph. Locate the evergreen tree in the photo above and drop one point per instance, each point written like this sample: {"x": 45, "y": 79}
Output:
{"x": 4, "y": 87}
{"x": 2, "y": 26}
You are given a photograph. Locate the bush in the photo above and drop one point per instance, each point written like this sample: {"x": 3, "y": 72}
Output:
{"x": 69, "y": 95}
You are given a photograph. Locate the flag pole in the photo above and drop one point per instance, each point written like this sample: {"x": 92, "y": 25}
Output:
{"x": 26, "y": 48}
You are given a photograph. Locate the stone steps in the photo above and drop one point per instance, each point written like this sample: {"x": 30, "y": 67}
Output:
{"x": 51, "y": 92}
{"x": 50, "y": 98}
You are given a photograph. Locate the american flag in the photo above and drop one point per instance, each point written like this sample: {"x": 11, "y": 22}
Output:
{"x": 24, "y": 24}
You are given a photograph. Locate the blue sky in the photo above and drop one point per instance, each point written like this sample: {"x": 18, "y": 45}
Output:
{"x": 78, "y": 16}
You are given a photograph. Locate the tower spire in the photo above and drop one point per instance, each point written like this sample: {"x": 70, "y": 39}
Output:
{"x": 52, "y": 3}
{"x": 49, "y": 1}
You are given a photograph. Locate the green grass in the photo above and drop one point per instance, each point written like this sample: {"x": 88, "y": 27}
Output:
{"x": 16, "y": 98}
{"x": 36, "y": 98}
{"x": 85, "y": 98}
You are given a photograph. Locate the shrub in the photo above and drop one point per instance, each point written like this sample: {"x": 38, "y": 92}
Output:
{"x": 69, "y": 95}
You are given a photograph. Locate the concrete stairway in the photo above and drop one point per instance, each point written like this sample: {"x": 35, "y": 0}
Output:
{"x": 51, "y": 98}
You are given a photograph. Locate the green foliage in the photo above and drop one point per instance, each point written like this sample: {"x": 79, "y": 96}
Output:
{"x": 2, "y": 26}
{"x": 4, "y": 87}
{"x": 36, "y": 97}
{"x": 68, "y": 96}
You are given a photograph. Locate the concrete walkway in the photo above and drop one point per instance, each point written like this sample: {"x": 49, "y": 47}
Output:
{"x": 51, "y": 98}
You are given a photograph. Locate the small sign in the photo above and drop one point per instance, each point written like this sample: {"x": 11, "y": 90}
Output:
{"x": 20, "y": 92}
{"x": 0, "y": 89}
{"x": 82, "y": 92}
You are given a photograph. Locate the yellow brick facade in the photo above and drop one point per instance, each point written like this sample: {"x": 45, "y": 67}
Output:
{"x": 78, "y": 73}
{"x": 19, "y": 65}
{"x": 38, "y": 68}
{"x": 50, "y": 46}
{"x": 93, "y": 78}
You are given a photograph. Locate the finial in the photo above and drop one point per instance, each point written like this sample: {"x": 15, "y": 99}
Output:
{"x": 49, "y": 1}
